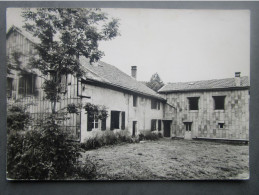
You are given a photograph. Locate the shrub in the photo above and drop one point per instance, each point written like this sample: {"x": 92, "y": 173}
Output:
{"x": 43, "y": 153}
{"x": 17, "y": 118}
{"x": 107, "y": 138}
{"x": 149, "y": 136}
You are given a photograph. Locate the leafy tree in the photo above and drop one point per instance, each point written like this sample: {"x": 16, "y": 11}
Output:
{"x": 65, "y": 35}
{"x": 155, "y": 82}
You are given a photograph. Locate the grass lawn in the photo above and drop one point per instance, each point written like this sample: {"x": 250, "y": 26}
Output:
{"x": 168, "y": 159}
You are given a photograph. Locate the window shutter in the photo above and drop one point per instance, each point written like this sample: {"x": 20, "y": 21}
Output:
{"x": 112, "y": 120}
{"x": 103, "y": 124}
{"x": 63, "y": 83}
{"x": 159, "y": 125}
{"x": 21, "y": 89}
{"x": 90, "y": 120}
{"x": 123, "y": 120}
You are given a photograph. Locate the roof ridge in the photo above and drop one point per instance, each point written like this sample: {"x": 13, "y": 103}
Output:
{"x": 206, "y": 80}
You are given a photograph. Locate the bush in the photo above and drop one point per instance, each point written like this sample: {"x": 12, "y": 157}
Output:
{"x": 17, "y": 118}
{"x": 43, "y": 153}
{"x": 148, "y": 135}
{"x": 107, "y": 138}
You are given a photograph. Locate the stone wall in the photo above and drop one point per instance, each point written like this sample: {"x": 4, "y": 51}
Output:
{"x": 205, "y": 121}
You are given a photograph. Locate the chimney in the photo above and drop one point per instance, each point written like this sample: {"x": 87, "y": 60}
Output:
{"x": 237, "y": 79}
{"x": 134, "y": 72}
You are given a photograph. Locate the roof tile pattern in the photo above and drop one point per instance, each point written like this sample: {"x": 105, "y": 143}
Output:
{"x": 111, "y": 75}
{"x": 205, "y": 85}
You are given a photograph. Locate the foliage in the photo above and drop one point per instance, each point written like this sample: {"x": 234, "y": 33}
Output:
{"x": 155, "y": 82}
{"x": 43, "y": 153}
{"x": 107, "y": 138}
{"x": 13, "y": 61}
{"x": 64, "y": 35}
{"x": 149, "y": 136}
{"x": 17, "y": 118}
{"x": 96, "y": 110}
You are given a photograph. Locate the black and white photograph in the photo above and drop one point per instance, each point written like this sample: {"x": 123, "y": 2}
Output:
{"x": 127, "y": 94}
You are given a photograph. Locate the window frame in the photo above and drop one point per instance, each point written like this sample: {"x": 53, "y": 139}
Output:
{"x": 153, "y": 124}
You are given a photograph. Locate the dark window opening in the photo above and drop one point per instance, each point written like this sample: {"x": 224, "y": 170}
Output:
{"x": 221, "y": 125}
{"x": 134, "y": 128}
{"x": 219, "y": 102}
{"x": 27, "y": 84}
{"x": 9, "y": 87}
{"x": 188, "y": 126}
{"x": 193, "y": 103}
{"x": 159, "y": 125}
{"x": 122, "y": 120}
{"x": 153, "y": 124}
{"x": 115, "y": 120}
{"x": 155, "y": 104}
{"x": 135, "y": 99}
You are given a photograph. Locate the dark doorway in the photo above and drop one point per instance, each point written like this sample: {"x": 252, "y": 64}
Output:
{"x": 167, "y": 128}
{"x": 134, "y": 128}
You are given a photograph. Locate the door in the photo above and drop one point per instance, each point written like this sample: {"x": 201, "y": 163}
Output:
{"x": 134, "y": 128}
{"x": 188, "y": 130}
{"x": 167, "y": 128}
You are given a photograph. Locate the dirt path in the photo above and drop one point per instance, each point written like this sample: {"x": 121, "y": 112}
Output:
{"x": 171, "y": 159}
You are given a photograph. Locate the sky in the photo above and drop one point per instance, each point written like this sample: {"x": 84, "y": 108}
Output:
{"x": 179, "y": 45}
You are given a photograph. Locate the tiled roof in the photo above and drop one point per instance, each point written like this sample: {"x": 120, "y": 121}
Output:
{"x": 109, "y": 74}
{"x": 205, "y": 85}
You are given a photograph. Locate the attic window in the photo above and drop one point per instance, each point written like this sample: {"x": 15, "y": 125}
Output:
{"x": 219, "y": 102}
{"x": 193, "y": 103}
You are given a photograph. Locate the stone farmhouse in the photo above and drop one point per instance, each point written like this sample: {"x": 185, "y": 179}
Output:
{"x": 216, "y": 109}
{"x": 211, "y": 109}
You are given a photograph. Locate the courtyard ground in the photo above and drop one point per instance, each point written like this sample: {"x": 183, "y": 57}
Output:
{"x": 168, "y": 159}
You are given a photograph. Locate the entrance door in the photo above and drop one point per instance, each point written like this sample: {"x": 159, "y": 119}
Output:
{"x": 167, "y": 129}
{"x": 134, "y": 128}
{"x": 188, "y": 130}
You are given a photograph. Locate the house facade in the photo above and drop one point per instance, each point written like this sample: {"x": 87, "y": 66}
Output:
{"x": 212, "y": 109}
{"x": 131, "y": 106}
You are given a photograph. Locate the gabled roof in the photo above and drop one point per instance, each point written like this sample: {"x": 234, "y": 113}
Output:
{"x": 228, "y": 83}
{"x": 26, "y": 34}
{"x": 108, "y": 74}
{"x": 102, "y": 72}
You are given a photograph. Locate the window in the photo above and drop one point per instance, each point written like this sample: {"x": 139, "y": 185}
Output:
{"x": 193, "y": 103}
{"x": 153, "y": 124}
{"x": 155, "y": 104}
{"x": 221, "y": 125}
{"x": 92, "y": 122}
{"x": 122, "y": 120}
{"x": 9, "y": 87}
{"x": 159, "y": 125}
{"x": 219, "y": 102}
{"x": 135, "y": 99}
{"x": 27, "y": 84}
{"x": 188, "y": 126}
{"x": 115, "y": 120}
